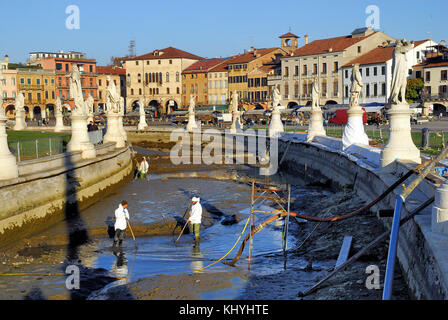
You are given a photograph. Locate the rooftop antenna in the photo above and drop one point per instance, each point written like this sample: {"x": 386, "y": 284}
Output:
{"x": 132, "y": 51}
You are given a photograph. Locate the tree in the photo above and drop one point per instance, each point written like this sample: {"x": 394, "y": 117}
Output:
{"x": 413, "y": 89}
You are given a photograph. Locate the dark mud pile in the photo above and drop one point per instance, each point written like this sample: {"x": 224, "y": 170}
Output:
{"x": 319, "y": 245}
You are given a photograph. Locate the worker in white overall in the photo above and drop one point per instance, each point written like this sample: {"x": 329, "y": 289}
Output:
{"x": 195, "y": 218}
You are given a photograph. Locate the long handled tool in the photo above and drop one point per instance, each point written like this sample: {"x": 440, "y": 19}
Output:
{"x": 183, "y": 217}
{"x": 182, "y": 232}
{"x": 132, "y": 233}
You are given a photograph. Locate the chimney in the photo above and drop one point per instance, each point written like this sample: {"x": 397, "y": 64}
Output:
{"x": 6, "y": 58}
{"x": 252, "y": 49}
{"x": 306, "y": 39}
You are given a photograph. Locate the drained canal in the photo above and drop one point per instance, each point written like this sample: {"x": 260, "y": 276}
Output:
{"x": 159, "y": 268}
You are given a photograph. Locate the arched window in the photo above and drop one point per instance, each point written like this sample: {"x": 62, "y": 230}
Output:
{"x": 139, "y": 78}
{"x": 167, "y": 77}
{"x": 177, "y": 76}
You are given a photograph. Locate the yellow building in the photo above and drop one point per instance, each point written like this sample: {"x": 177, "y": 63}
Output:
{"x": 195, "y": 80}
{"x": 218, "y": 85}
{"x": 156, "y": 78}
{"x": 243, "y": 64}
{"x": 38, "y": 88}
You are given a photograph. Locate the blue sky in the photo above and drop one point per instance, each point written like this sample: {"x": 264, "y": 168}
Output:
{"x": 206, "y": 28}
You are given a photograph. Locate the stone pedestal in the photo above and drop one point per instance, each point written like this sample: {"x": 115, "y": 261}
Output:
{"x": 142, "y": 125}
{"x": 31, "y": 114}
{"x": 400, "y": 145}
{"x": 113, "y": 133}
{"x": 8, "y": 164}
{"x": 59, "y": 124}
{"x": 276, "y": 125}
{"x": 316, "y": 127}
{"x": 439, "y": 221}
{"x": 354, "y": 130}
{"x": 80, "y": 138}
{"x": 191, "y": 122}
{"x": 20, "y": 121}
{"x": 236, "y": 122}
{"x": 121, "y": 128}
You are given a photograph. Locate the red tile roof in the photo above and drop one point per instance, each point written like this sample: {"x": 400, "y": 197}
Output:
{"x": 110, "y": 70}
{"x": 203, "y": 65}
{"x": 429, "y": 64}
{"x": 324, "y": 45}
{"x": 288, "y": 35}
{"x": 251, "y": 55}
{"x": 167, "y": 53}
{"x": 379, "y": 55}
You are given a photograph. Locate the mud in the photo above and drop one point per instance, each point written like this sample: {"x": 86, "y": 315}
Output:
{"x": 312, "y": 250}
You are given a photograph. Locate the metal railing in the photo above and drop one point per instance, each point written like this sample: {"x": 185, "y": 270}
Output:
{"x": 36, "y": 148}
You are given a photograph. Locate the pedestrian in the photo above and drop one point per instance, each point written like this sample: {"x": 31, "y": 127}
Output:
{"x": 90, "y": 126}
{"x": 137, "y": 170}
{"x": 121, "y": 219}
{"x": 144, "y": 167}
{"x": 195, "y": 218}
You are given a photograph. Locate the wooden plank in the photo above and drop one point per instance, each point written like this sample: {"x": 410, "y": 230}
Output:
{"x": 345, "y": 250}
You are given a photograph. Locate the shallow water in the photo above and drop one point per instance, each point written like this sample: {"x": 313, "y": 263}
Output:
{"x": 160, "y": 255}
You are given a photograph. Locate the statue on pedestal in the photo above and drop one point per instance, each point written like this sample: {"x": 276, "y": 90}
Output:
{"x": 400, "y": 72}
{"x": 400, "y": 144}
{"x": 316, "y": 127}
{"x": 276, "y": 97}
{"x": 76, "y": 91}
{"x": 20, "y": 112}
{"x": 354, "y": 130}
{"x": 315, "y": 94}
{"x": 112, "y": 97}
{"x": 191, "y": 115}
{"x": 357, "y": 86}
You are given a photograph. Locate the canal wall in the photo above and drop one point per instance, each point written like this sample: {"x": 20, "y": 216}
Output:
{"x": 48, "y": 189}
{"x": 421, "y": 253}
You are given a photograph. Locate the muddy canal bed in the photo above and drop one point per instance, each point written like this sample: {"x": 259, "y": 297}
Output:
{"x": 159, "y": 268}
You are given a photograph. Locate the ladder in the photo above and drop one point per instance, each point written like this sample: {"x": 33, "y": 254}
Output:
{"x": 259, "y": 195}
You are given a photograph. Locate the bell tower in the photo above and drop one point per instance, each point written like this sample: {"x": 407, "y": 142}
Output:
{"x": 289, "y": 42}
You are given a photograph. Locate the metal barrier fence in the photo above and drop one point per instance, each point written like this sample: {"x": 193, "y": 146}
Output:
{"x": 28, "y": 149}
{"x": 423, "y": 138}
{"x": 36, "y": 148}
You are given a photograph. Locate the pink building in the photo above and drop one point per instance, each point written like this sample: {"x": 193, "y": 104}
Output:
{"x": 8, "y": 87}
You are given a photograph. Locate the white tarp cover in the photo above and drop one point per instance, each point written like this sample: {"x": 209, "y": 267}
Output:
{"x": 354, "y": 133}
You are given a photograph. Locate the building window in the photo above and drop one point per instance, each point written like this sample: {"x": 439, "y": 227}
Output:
{"x": 178, "y": 90}
{"x": 367, "y": 90}
{"x": 305, "y": 70}
{"x": 140, "y": 92}
{"x": 315, "y": 68}
{"x": 296, "y": 71}
{"x": 336, "y": 67}
{"x": 428, "y": 76}
{"x": 136, "y": 62}
{"x": 139, "y": 78}
{"x": 167, "y": 77}
{"x": 367, "y": 72}
{"x": 383, "y": 70}
{"x": 286, "y": 72}
{"x": 160, "y": 61}
{"x": 359, "y": 49}
{"x": 383, "y": 89}
{"x": 171, "y": 61}
{"x": 177, "y": 76}
{"x": 324, "y": 68}
{"x": 167, "y": 90}
{"x": 375, "y": 90}
{"x": 346, "y": 74}
{"x": 443, "y": 75}
{"x": 375, "y": 71}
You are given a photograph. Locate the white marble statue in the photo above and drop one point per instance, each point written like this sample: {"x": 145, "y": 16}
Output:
{"x": 20, "y": 102}
{"x": 89, "y": 107}
{"x": 315, "y": 94}
{"x": 20, "y": 112}
{"x": 276, "y": 97}
{"x": 316, "y": 127}
{"x": 400, "y": 72}
{"x": 234, "y": 102}
{"x": 192, "y": 106}
{"x": 354, "y": 133}
{"x": 191, "y": 125}
{"x": 59, "y": 126}
{"x": 400, "y": 144}
{"x": 112, "y": 97}
{"x": 80, "y": 139}
{"x": 357, "y": 86}
{"x": 76, "y": 91}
